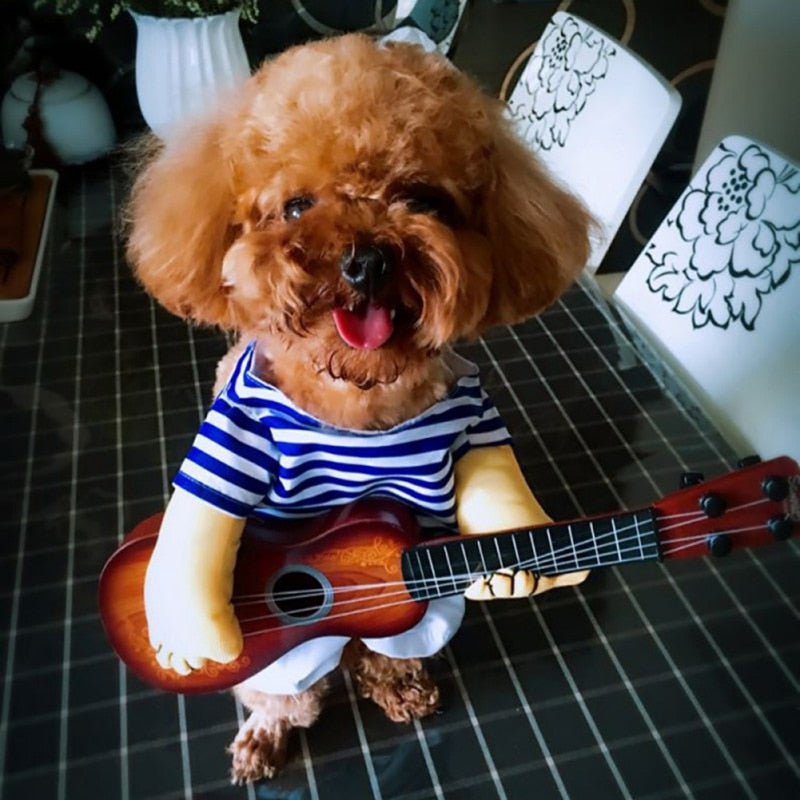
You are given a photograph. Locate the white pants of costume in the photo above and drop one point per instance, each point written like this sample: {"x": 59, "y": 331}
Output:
{"x": 305, "y": 664}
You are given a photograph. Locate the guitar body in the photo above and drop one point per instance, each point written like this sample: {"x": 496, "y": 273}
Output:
{"x": 337, "y": 575}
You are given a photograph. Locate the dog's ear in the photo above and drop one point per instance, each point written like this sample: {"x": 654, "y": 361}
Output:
{"x": 179, "y": 225}
{"x": 537, "y": 231}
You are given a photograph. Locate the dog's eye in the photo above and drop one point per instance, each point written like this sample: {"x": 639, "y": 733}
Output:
{"x": 429, "y": 200}
{"x": 423, "y": 205}
{"x": 294, "y": 208}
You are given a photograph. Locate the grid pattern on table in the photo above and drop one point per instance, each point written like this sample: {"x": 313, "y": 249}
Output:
{"x": 646, "y": 682}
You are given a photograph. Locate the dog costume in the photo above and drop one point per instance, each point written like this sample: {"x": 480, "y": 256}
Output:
{"x": 257, "y": 454}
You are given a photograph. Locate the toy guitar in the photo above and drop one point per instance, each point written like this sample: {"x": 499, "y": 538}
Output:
{"x": 362, "y": 571}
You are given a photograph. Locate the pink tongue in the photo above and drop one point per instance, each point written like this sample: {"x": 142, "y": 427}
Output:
{"x": 365, "y": 329}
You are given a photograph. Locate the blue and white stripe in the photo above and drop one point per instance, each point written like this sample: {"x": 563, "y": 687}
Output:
{"x": 257, "y": 454}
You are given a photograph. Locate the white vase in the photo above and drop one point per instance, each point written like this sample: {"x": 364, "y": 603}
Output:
{"x": 183, "y": 65}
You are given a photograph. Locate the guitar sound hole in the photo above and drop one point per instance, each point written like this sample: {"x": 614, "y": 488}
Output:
{"x": 299, "y": 594}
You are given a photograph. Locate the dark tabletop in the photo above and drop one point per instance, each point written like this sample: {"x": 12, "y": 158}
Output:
{"x": 648, "y": 681}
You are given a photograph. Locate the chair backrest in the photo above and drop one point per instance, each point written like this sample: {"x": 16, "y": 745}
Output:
{"x": 596, "y": 114}
{"x": 438, "y": 19}
{"x": 716, "y": 292}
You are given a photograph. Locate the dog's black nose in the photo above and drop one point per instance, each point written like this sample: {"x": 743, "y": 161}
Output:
{"x": 366, "y": 268}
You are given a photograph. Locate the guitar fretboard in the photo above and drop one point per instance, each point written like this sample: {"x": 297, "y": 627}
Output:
{"x": 438, "y": 569}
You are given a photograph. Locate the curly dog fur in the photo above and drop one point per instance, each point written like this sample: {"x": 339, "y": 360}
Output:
{"x": 253, "y": 221}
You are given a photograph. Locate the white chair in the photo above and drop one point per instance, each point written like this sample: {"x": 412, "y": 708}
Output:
{"x": 438, "y": 19}
{"x": 596, "y": 114}
{"x": 716, "y": 293}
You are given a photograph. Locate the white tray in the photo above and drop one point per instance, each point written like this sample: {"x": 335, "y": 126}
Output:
{"x": 14, "y": 309}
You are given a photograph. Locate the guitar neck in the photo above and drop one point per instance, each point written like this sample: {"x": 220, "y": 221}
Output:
{"x": 447, "y": 566}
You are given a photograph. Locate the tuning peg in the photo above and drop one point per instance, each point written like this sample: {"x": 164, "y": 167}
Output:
{"x": 688, "y": 479}
{"x": 712, "y": 504}
{"x": 780, "y": 526}
{"x": 748, "y": 461}
{"x": 719, "y": 544}
{"x": 775, "y": 487}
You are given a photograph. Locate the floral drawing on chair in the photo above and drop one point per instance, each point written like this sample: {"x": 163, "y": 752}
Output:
{"x": 437, "y": 18}
{"x": 564, "y": 71}
{"x": 733, "y": 241}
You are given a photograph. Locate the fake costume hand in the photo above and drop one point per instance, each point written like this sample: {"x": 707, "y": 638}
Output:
{"x": 188, "y": 586}
{"x": 493, "y": 495}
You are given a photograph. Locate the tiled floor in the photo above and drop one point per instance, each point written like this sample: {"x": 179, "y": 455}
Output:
{"x": 647, "y": 682}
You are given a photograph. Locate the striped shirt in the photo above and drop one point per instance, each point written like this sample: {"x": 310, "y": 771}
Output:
{"x": 257, "y": 454}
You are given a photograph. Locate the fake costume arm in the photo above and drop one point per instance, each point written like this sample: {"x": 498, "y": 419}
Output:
{"x": 188, "y": 585}
{"x": 493, "y": 495}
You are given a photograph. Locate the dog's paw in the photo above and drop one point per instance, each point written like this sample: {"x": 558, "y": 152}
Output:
{"x": 259, "y": 750}
{"x": 414, "y": 697}
{"x": 401, "y": 687}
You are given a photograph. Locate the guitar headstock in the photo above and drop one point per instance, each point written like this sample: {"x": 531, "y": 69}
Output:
{"x": 757, "y": 504}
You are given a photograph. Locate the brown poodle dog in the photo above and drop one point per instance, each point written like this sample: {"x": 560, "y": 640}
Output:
{"x": 355, "y": 210}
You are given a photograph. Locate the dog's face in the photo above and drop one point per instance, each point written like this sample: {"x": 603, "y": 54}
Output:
{"x": 365, "y": 205}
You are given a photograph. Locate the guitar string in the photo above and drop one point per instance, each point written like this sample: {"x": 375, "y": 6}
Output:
{"x": 467, "y": 580}
{"x": 698, "y": 516}
{"x": 547, "y": 559}
{"x": 691, "y": 539}
{"x": 462, "y": 579}
{"x": 613, "y": 534}
{"x": 702, "y": 515}
{"x": 544, "y": 562}
{"x": 379, "y": 607}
